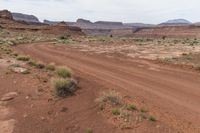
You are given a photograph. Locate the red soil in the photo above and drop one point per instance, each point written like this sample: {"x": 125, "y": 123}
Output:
{"x": 171, "y": 94}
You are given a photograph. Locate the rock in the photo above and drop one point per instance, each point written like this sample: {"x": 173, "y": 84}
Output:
{"x": 42, "y": 118}
{"x": 157, "y": 126}
{"x": 6, "y": 14}
{"x": 25, "y": 17}
{"x": 9, "y": 96}
{"x": 25, "y": 115}
{"x": 19, "y": 70}
{"x": 109, "y": 23}
{"x": 84, "y": 21}
{"x": 27, "y": 97}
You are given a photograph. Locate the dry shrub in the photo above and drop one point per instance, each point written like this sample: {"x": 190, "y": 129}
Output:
{"x": 112, "y": 97}
{"x": 64, "y": 87}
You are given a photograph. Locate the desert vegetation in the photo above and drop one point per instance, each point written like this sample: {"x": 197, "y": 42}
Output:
{"x": 124, "y": 111}
{"x": 64, "y": 87}
{"x": 63, "y": 72}
{"x": 88, "y": 130}
{"x": 14, "y": 38}
{"x": 63, "y": 84}
{"x": 147, "y": 73}
{"x": 23, "y": 58}
{"x": 51, "y": 66}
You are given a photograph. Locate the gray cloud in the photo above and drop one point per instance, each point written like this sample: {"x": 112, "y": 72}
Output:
{"x": 148, "y": 11}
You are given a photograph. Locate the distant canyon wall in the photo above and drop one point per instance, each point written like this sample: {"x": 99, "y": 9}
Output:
{"x": 190, "y": 31}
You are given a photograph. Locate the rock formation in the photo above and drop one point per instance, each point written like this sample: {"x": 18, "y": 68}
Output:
{"x": 5, "y": 14}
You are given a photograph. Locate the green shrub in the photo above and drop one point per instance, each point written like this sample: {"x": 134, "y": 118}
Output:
{"x": 88, "y": 130}
{"x": 64, "y": 87}
{"x": 50, "y": 67}
{"x": 23, "y": 58}
{"x": 36, "y": 64}
{"x": 32, "y": 63}
{"x": 63, "y": 72}
{"x": 143, "y": 110}
{"x": 152, "y": 118}
{"x": 131, "y": 107}
{"x": 115, "y": 111}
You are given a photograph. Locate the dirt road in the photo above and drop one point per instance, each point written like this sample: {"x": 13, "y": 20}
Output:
{"x": 172, "y": 94}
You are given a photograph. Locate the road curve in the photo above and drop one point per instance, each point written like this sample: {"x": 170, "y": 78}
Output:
{"x": 173, "y": 94}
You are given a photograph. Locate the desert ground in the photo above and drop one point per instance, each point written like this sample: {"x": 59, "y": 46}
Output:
{"x": 120, "y": 84}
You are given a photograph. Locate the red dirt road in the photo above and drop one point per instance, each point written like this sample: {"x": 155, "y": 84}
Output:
{"x": 171, "y": 94}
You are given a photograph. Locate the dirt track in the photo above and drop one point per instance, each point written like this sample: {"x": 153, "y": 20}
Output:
{"x": 172, "y": 94}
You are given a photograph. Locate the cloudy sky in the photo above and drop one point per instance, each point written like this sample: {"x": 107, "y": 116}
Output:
{"x": 147, "y": 11}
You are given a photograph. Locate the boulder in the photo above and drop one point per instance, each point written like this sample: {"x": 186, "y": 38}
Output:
{"x": 19, "y": 70}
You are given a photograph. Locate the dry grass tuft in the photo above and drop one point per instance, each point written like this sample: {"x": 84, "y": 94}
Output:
{"x": 51, "y": 67}
{"x": 112, "y": 97}
{"x": 64, "y": 72}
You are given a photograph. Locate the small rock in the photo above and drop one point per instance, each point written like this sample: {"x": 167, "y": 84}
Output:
{"x": 19, "y": 70}
{"x": 42, "y": 118}
{"x": 25, "y": 115}
{"x": 9, "y": 96}
{"x": 157, "y": 126}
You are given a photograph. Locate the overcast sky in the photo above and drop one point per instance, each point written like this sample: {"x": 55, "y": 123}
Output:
{"x": 146, "y": 11}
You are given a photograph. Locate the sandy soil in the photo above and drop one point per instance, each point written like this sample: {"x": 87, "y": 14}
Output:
{"x": 145, "y": 49}
{"x": 171, "y": 94}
